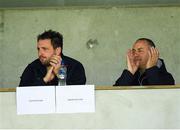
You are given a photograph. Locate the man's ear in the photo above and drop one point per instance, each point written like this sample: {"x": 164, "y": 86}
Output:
{"x": 58, "y": 51}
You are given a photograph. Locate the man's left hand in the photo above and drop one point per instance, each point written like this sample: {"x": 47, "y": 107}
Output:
{"x": 55, "y": 61}
{"x": 153, "y": 57}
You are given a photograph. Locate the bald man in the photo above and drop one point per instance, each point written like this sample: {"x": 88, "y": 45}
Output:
{"x": 144, "y": 67}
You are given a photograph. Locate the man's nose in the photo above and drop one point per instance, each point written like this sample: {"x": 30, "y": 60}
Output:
{"x": 40, "y": 53}
{"x": 136, "y": 54}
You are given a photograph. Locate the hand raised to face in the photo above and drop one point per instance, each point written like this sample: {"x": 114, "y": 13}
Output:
{"x": 52, "y": 70}
{"x": 55, "y": 61}
{"x": 153, "y": 57}
{"x": 132, "y": 64}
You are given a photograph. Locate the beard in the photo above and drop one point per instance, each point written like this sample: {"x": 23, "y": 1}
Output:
{"x": 45, "y": 61}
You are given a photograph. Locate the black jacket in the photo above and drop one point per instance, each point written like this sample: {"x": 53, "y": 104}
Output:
{"x": 156, "y": 75}
{"x": 34, "y": 73}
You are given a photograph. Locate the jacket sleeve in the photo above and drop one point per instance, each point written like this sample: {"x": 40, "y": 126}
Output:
{"x": 77, "y": 75}
{"x": 126, "y": 79}
{"x": 29, "y": 78}
{"x": 157, "y": 77}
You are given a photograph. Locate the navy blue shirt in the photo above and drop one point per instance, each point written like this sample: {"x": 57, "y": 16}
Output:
{"x": 156, "y": 75}
{"x": 35, "y": 72}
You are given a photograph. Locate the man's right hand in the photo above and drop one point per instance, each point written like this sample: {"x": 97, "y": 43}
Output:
{"x": 52, "y": 70}
{"x": 49, "y": 75}
{"x": 131, "y": 63}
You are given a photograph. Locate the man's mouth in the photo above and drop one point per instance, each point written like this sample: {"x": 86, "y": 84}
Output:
{"x": 42, "y": 58}
{"x": 137, "y": 59}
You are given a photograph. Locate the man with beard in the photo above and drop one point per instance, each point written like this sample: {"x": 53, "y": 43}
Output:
{"x": 144, "y": 67}
{"x": 43, "y": 71}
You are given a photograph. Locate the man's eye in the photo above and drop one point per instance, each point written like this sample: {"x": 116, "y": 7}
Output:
{"x": 45, "y": 49}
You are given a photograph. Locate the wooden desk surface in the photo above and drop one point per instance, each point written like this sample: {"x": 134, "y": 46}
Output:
{"x": 114, "y": 88}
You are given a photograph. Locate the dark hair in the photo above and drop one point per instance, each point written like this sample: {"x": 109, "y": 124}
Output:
{"x": 55, "y": 37}
{"x": 149, "y": 41}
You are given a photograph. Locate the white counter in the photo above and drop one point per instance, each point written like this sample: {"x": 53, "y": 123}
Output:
{"x": 136, "y": 108}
